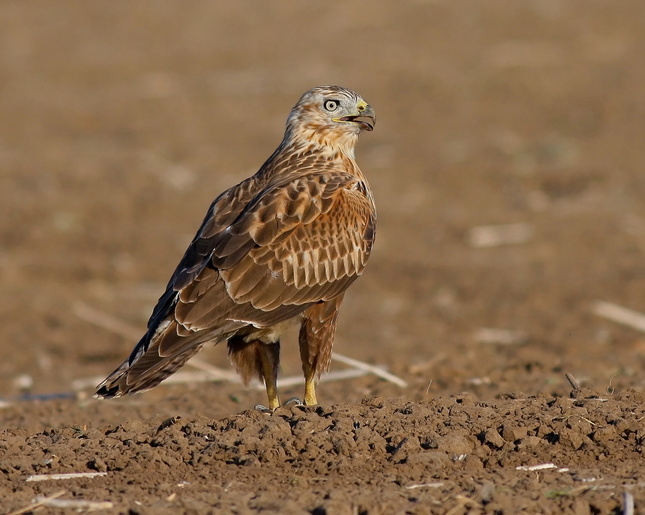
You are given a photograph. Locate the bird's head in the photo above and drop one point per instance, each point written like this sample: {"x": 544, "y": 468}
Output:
{"x": 330, "y": 115}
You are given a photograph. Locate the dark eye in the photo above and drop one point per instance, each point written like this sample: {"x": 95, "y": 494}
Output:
{"x": 331, "y": 105}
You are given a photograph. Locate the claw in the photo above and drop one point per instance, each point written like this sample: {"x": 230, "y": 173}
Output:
{"x": 263, "y": 409}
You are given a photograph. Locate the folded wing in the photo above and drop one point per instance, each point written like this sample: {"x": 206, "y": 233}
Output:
{"x": 288, "y": 245}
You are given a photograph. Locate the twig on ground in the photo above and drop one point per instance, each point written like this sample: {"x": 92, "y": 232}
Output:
{"x": 426, "y": 365}
{"x": 619, "y": 314}
{"x": 73, "y": 475}
{"x": 541, "y": 466}
{"x": 425, "y": 485}
{"x": 572, "y": 381}
{"x": 586, "y": 480}
{"x": 371, "y": 369}
{"x": 493, "y": 336}
{"x": 484, "y": 236}
{"x": 187, "y": 376}
{"x": 479, "y": 381}
{"x": 40, "y": 502}
{"x": 216, "y": 373}
{"x": 628, "y": 503}
{"x": 76, "y": 504}
{"x": 105, "y": 321}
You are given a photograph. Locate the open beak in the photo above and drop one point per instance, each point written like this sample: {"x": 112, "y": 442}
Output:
{"x": 366, "y": 119}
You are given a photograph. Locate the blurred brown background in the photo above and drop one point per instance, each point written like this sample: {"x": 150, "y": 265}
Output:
{"x": 121, "y": 121}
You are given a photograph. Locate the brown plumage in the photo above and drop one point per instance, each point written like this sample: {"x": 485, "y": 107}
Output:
{"x": 280, "y": 247}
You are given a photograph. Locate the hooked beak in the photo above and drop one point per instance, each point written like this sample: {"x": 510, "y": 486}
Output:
{"x": 366, "y": 119}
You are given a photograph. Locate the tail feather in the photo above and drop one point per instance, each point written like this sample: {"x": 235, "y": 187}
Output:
{"x": 159, "y": 354}
{"x": 146, "y": 373}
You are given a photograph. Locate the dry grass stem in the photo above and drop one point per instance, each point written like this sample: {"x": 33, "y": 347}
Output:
{"x": 40, "y": 502}
{"x": 371, "y": 369}
{"x": 541, "y": 466}
{"x": 73, "y": 475}
{"x": 425, "y": 485}
{"x": 572, "y": 381}
{"x": 75, "y": 504}
{"x": 188, "y": 376}
{"x": 426, "y": 365}
{"x": 485, "y": 236}
{"x": 628, "y": 503}
{"x": 492, "y": 336}
{"x": 217, "y": 374}
{"x": 106, "y": 321}
{"x": 619, "y": 314}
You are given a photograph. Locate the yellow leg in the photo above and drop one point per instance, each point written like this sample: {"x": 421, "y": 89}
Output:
{"x": 308, "y": 368}
{"x": 310, "y": 388}
{"x": 310, "y": 373}
{"x": 269, "y": 359}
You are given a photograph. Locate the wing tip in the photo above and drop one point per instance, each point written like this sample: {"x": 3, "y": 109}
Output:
{"x": 108, "y": 390}
{"x": 113, "y": 385}
{"x": 107, "y": 393}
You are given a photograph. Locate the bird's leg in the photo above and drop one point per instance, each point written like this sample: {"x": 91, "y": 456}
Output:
{"x": 269, "y": 359}
{"x": 310, "y": 388}
{"x": 316, "y": 338}
{"x": 309, "y": 370}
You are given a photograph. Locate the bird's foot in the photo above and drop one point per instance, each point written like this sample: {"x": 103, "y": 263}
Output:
{"x": 263, "y": 409}
{"x": 293, "y": 401}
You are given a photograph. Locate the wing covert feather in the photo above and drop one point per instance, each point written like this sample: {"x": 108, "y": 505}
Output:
{"x": 306, "y": 260}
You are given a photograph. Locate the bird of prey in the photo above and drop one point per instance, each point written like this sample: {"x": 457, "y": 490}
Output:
{"x": 281, "y": 247}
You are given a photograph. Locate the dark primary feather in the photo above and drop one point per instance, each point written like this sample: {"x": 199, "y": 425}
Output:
{"x": 297, "y": 233}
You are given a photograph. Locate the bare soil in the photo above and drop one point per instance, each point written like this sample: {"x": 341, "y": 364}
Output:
{"x": 120, "y": 122}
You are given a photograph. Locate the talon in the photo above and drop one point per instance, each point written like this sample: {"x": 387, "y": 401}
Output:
{"x": 295, "y": 401}
{"x": 263, "y": 409}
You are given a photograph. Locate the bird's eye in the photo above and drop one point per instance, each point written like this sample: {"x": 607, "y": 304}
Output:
{"x": 331, "y": 105}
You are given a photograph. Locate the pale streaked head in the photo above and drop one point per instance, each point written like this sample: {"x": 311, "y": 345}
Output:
{"x": 331, "y": 115}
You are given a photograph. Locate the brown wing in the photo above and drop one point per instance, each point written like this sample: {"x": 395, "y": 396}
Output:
{"x": 304, "y": 243}
{"x": 298, "y": 244}
{"x": 295, "y": 243}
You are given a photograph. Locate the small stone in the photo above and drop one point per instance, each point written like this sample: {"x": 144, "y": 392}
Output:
{"x": 531, "y": 441}
{"x": 455, "y": 444}
{"x": 492, "y": 437}
{"x": 513, "y": 434}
